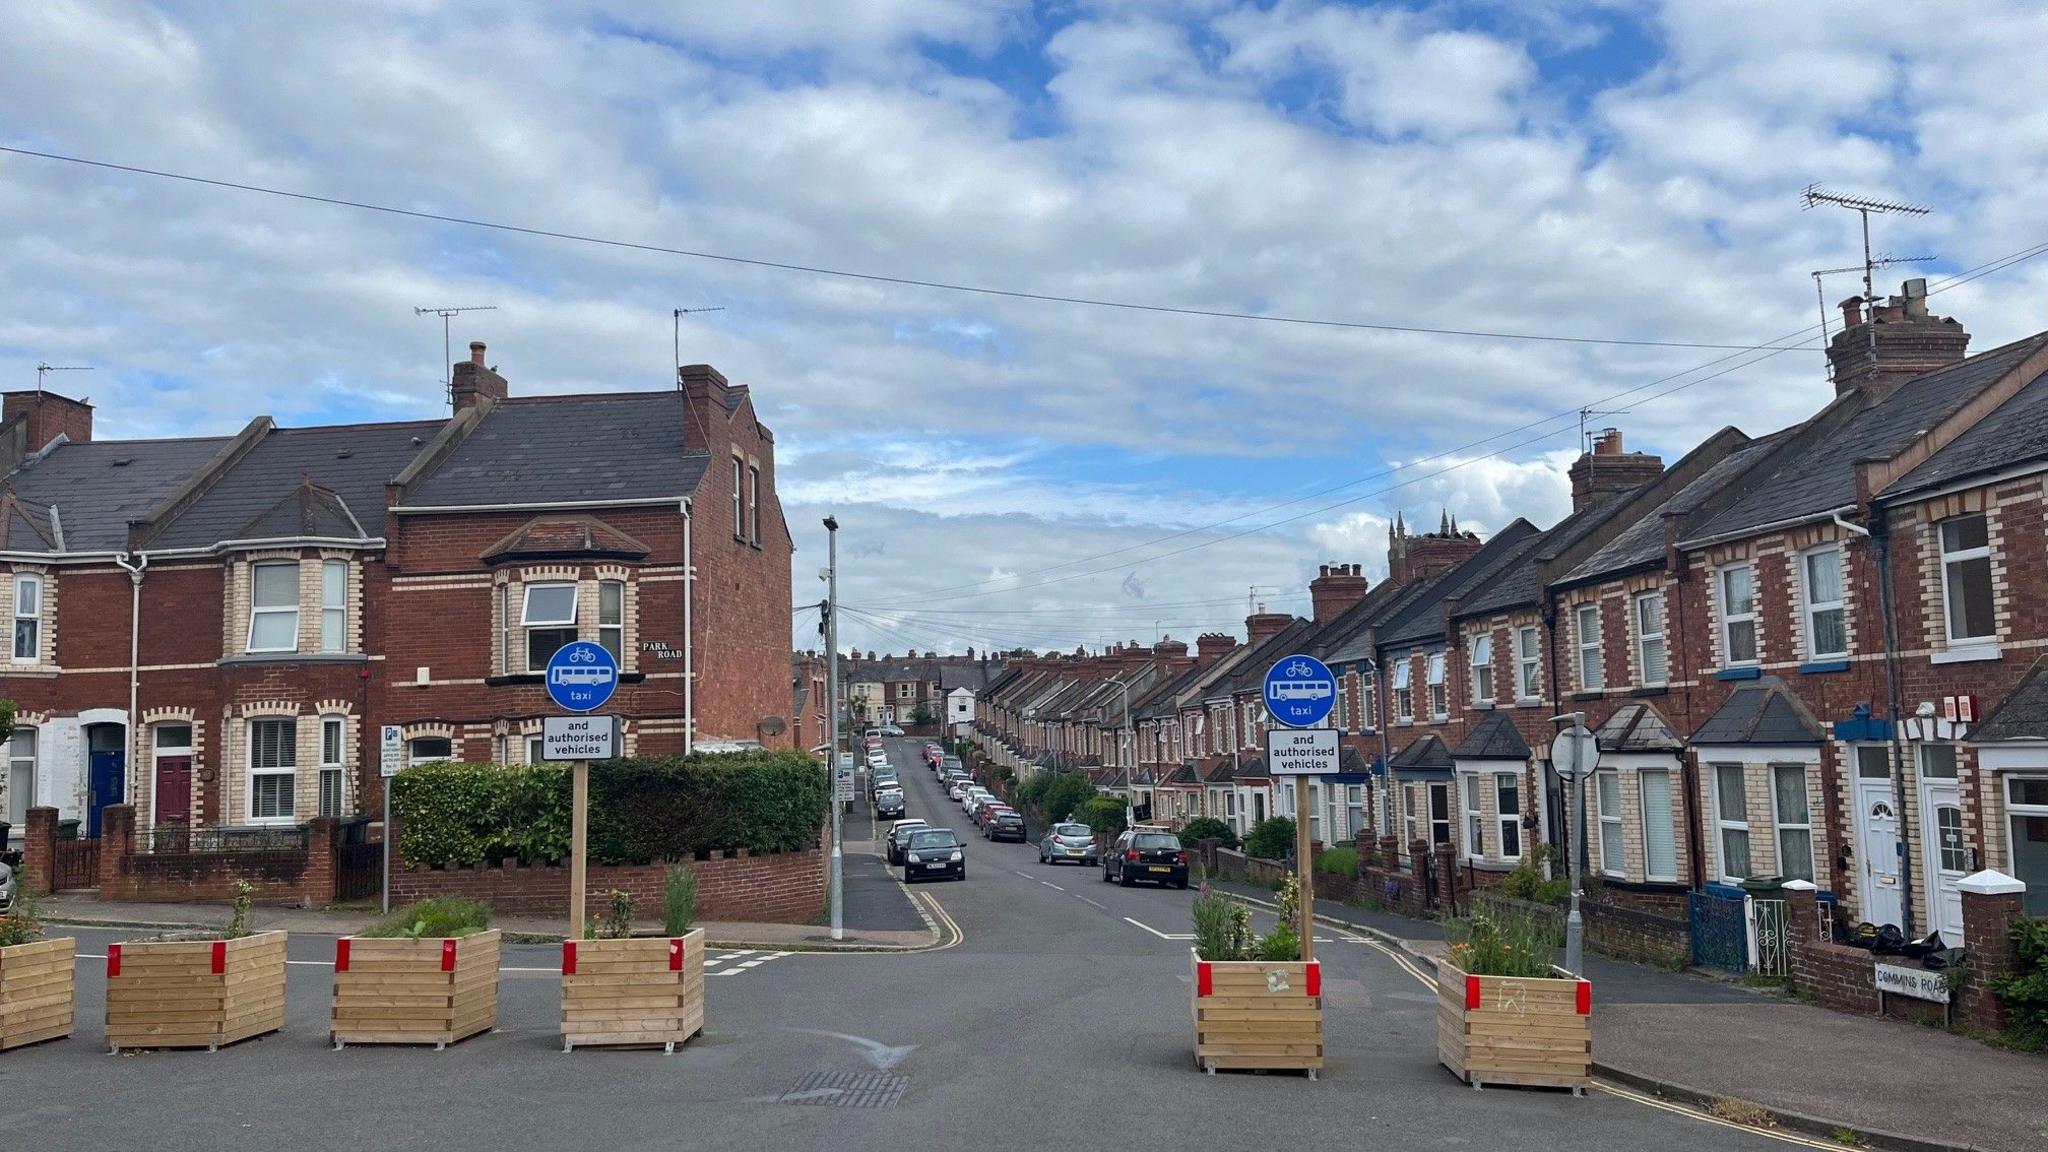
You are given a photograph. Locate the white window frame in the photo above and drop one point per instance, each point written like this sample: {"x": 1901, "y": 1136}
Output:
{"x": 1429, "y": 793}
{"x": 1439, "y": 694}
{"x": 290, "y": 725}
{"x": 1408, "y": 816}
{"x": 739, "y": 522}
{"x": 528, "y": 625}
{"x": 754, "y": 504}
{"x": 1475, "y": 817}
{"x": 1504, "y": 820}
{"x": 335, "y": 766}
{"x": 1724, "y": 824}
{"x": 2015, "y": 811}
{"x": 1730, "y": 618}
{"x": 1643, "y": 776}
{"x": 1948, "y": 561}
{"x": 1368, "y": 702}
{"x": 1813, "y": 607}
{"x": 1613, "y": 848}
{"x": 1645, "y": 637}
{"x": 1482, "y": 668}
{"x": 1404, "y": 691}
{"x": 1589, "y": 647}
{"x": 258, "y": 611}
{"x": 32, "y": 617}
{"x": 1528, "y": 664}
{"x": 334, "y": 606}
{"x": 1340, "y": 717}
{"x": 22, "y": 768}
{"x": 413, "y": 756}
{"x": 536, "y": 747}
{"x": 1780, "y": 825}
{"x": 615, "y": 630}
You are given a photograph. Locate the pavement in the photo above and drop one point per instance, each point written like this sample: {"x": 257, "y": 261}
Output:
{"x": 1053, "y": 1009}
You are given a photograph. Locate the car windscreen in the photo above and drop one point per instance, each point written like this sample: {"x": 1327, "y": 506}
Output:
{"x": 943, "y": 838}
{"x": 1155, "y": 842}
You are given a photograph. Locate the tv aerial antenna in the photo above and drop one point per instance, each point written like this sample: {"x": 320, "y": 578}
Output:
{"x": 1815, "y": 195}
{"x": 1882, "y": 260}
{"x": 447, "y": 354}
{"x": 42, "y": 369}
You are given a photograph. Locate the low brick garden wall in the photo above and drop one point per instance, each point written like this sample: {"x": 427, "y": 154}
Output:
{"x": 773, "y": 887}
{"x": 1611, "y": 930}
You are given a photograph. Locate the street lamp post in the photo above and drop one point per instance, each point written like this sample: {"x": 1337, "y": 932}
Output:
{"x": 1575, "y": 754}
{"x": 1130, "y": 747}
{"x": 832, "y": 697}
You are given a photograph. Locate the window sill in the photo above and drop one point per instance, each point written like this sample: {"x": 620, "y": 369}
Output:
{"x": 1408, "y": 722}
{"x": 1650, "y": 690}
{"x": 1745, "y": 672}
{"x": 1817, "y": 667}
{"x": 1528, "y": 701}
{"x": 1482, "y": 705}
{"x": 1440, "y": 718}
{"x": 1593, "y": 694}
{"x": 292, "y": 658}
{"x": 1970, "y": 654}
{"x": 36, "y": 670}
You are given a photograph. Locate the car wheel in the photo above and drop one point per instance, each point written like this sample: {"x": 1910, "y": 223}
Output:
{"x": 1181, "y": 884}
{"x": 1124, "y": 880}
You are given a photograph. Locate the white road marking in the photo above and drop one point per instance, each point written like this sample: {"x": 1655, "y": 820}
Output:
{"x": 882, "y": 1056}
{"x": 1158, "y": 933}
{"x": 1051, "y": 885}
{"x": 1025, "y": 875}
{"x": 1090, "y": 903}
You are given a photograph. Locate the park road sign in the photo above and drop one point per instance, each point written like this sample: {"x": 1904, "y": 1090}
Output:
{"x": 1301, "y": 751}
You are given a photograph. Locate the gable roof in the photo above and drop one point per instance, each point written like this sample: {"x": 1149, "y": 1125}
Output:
{"x": 2022, "y": 715}
{"x": 1424, "y": 619}
{"x": 1637, "y": 727}
{"x": 1426, "y": 751}
{"x": 353, "y": 462}
{"x": 1760, "y": 712}
{"x": 2010, "y": 435}
{"x": 564, "y": 449}
{"x": 98, "y": 487}
{"x": 566, "y": 536}
{"x": 1495, "y": 737}
{"x": 1642, "y": 543}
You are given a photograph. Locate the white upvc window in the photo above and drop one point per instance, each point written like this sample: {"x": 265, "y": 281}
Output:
{"x": 1528, "y": 656}
{"x": 1650, "y": 651}
{"x": 1731, "y": 821}
{"x": 21, "y": 778}
{"x": 28, "y": 618}
{"x": 1738, "y": 613}
{"x": 1408, "y": 808}
{"x": 1340, "y": 718}
{"x": 1613, "y": 858}
{"x": 1827, "y": 636}
{"x": 274, "y": 607}
{"x": 1660, "y": 838}
{"x": 753, "y": 503}
{"x": 1966, "y": 578}
{"x": 1368, "y": 702}
{"x": 1507, "y": 813}
{"x": 332, "y": 767}
{"x": 549, "y": 618}
{"x": 1475, "y": 820}
{"x": 428, "y": 750}
{"x": 611, "y": 619}
{"x": 273, "y": 762}
{"x": 1404, "y": 695}
{"x": 1794, "y": 821}
{"x": 1592, "y": 670}
{"x": 536, "y": 748}
{"x": 1439, "y": 700}
{"x": 739, "y": 510}
{"x": 334, "y": 606}
{"x": 2026, "y": 807}
{"x": 1482, "y": 668}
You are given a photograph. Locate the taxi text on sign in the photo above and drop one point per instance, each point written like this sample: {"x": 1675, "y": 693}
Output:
{"x": 1300, "y": 691}
{"x": 1301, "y": 751}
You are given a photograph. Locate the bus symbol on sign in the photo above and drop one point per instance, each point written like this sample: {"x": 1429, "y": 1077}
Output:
{"x": 1300, "y": 691}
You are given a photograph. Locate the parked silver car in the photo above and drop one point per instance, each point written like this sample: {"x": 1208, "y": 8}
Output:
{"x": 6, "y": 888}
{"x": 1068, "y": 843}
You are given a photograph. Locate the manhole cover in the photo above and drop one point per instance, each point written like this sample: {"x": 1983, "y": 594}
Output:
{"x": 847, "y": 1089}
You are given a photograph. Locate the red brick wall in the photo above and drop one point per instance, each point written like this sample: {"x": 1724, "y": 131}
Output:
{"x": 300, "y": 878}
{"x": 779, "y": 888}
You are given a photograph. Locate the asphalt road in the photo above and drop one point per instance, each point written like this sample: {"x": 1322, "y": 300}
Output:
{"x": 1060, "y": 1018}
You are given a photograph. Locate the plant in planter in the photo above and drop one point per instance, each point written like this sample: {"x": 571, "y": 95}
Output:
{"x": 196, "y": 990}
{"x": 1506, "y": 1014}
{"x": 621, "y": 990}
{"x": 1257, "y": 1004}
{"x": 426, "y": 974}
{"x": 36, "y": 975}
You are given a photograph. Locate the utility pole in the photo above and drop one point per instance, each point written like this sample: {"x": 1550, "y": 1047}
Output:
{"x": 832, "y": 699}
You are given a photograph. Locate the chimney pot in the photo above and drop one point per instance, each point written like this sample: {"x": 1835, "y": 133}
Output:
{"x": 476, "y": 352}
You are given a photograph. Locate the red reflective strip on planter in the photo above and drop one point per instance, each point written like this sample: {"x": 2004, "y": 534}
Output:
{"x": 1205, "y": 982}
{"x": 1315, "y": 977}
{"x": 447, "y": 955}
{"x": 341, "y": 954}
{"x": 1471, "y": 993}
{"x": 568, "y": 957}
{"x": 675, "y": 954}
{"x": 1585, "y": 998}
{"x": 220, "y": 957}
{"x": 113, "y": 960}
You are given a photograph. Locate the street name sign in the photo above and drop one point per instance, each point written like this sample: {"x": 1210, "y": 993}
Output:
{"x": 1301, "y": 751}
{"x": 582, "y": 676}
{"x": 1918, "y": 983}
{"x": 576, "y": 737}
{"x": 1300, "y": 692}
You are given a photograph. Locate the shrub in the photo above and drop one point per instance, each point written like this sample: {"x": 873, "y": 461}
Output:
{"x": 1105, "y": 814}
{"x": 1213, "y": 937}
{"x": 640, "y": 810}
{"x": 1065, "y": 796}
{"x": 678, "y": 900}
{"x": 1282, "y": 943}
{"x": 1207, "y": 828}
{"x": 2025, "y": 990}
{"x": 1526, "y": 882}
{"x": 1484, "y": 945}
{"x": 617, "y": 923}
{"x": 23, "y": 924}
{"x": 1272, "y": 839}
{"x": 432, "y": 920}
{"x": 1339, "y": 861}
{"x": 238, "y": 919}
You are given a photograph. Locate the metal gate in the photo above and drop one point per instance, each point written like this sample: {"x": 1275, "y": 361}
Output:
{"x": 1773, "y": 947}
{"x": 359, "y": 870}
{"x": 1720, "y": 934}
{"x": 77, "y": 865}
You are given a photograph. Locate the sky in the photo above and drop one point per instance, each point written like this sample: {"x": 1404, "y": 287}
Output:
{"x": 1009, "y": 471}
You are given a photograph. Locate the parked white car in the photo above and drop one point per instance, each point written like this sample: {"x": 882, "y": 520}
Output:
{"x": 975, "y": 795}
{"x": 958, "y": 789}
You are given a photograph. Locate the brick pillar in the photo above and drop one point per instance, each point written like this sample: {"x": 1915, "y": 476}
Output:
{"x": 117, "y": 841}
{"x": 39, "y": 852}
{"x": 1991, "y": 902}
{"x": 1418, "y": 873}
{"x": 323, "y": 836}
{"x": 1390, "y": 853}
{"x": 1802, "y": 925}
{"x": 1447, "y": 876}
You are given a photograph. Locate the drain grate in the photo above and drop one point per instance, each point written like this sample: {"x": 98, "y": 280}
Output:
{"x": 848, "y": 1090}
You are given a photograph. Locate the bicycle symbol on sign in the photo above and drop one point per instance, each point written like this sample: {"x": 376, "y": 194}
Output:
{"x": 1299, "y": 669}
{"x": 582, "y": 656}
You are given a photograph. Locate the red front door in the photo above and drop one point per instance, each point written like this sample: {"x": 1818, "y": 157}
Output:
{"x": 174, "y": 790}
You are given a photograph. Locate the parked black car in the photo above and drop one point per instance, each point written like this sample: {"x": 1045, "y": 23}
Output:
{"x": 1146, "y": 854}
{"x": 1004, "y": 825}
{"x": 889, "y": 804}
{"x": 899, "y": 838}
{"x": 933, "y": 852}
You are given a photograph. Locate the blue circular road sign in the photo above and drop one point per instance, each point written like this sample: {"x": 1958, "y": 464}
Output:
{"x": 582, "y": 676}
{"x": 1300, "y": 691}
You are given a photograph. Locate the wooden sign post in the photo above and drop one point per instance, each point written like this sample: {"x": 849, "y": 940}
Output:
{"x": 579, "y": 837}
{"x": 1304, "y": 869}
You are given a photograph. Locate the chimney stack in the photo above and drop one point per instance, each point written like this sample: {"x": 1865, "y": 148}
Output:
{"x": 1608, "y": 471}
{"x": 1336, "y": 589}
{"x": 1429, "y": 555}
{"x": 1213, "y": 646}
{"x": 1261, "y": 626}
{"x": 1897, "y": 341}
{"x": 43, "y": 416}
{"x": 474, "y": 384}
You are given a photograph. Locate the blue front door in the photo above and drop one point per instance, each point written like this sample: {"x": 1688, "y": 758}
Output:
{"x": 109, "y": 781}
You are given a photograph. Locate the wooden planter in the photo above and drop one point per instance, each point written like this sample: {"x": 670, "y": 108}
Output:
{"x": 35, "y": 992}
{"x": 397, "y": 991}
{"x": 1258, "y": 1014}
{"x": 1513, "y": 1030}
{"x": 194, "y": 993}
{"x": 636, "y": 992}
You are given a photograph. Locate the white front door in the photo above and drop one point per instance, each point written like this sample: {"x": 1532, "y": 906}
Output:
{"x": 1942, "y": 847}
{"x": 1877, "y": 846}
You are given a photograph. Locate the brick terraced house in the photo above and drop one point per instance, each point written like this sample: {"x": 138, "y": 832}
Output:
{"x": 214, "y": 630}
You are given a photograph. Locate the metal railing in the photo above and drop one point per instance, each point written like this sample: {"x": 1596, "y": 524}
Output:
{"x": 180, "y": 839}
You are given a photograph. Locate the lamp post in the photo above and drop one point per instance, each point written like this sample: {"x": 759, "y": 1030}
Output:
{"x": 1129, "y": 747}
{"x": 1575, "y": 754}
{"x": 832, "y": 696}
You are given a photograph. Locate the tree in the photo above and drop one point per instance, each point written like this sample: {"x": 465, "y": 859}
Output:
{"x": 1208, "y": 828}
{"x": 1067, "y": 792}
{"x": 1104, "y": 814}
{"x": 923, "y": 715}
{"x": 1272, "y": 839}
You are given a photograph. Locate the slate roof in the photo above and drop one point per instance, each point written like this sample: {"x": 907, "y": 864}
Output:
{"x": 1642, "y": 543}
{"x": 26, "y": 525}
{"x": 1761, "y": 712}
{"x": 352, "y": 461}
{"x": 1639, "y": 727}
{"x": 1810, "y": 483}
{"x": 564, "y": 536}
{"x": 556, "y": 449}
{"x": 1495, "y": 737}
{"x": 1250, "y": 672}
{"x": 1423, "y": 618}
{"x": 1361, "y": 644}
{"x": 2014, "y": 433}
{"x": 99, "y": 487}
{"x": 2022, "y": 715}
{"x": 1425, "y": 751}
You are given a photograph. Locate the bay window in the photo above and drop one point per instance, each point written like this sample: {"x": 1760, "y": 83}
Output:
{"x": 21, "y": 779}
{"x": 1660, "y": 841}
{"x": 1738, "y": 614}
{"x": 611, "y": 619}
{"x": 274, "y": 607}
{"x": 1826, "y": 634}
{"x": 1475, "y": 821}
{"x": 1340, "y": 718}
{"x": 273, "y": 763}
{"x": 550, "y": 622}
{"x": 331, "y": 765}
{"x": 1966, "y": 578}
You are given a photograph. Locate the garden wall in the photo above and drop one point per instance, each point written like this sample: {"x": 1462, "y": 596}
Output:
{"x": 768, "y": 887}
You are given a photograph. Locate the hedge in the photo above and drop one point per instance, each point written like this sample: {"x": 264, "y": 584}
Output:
{"x": 640, "y": 810}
